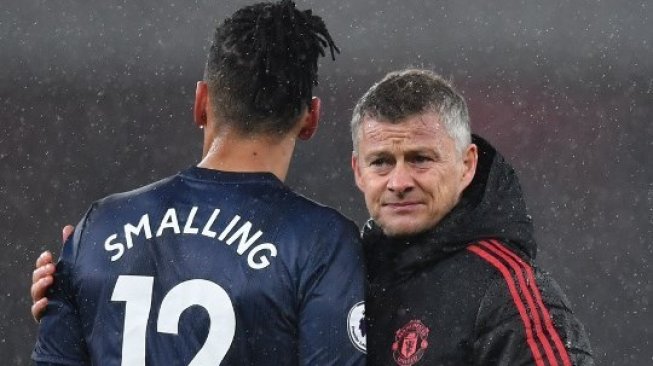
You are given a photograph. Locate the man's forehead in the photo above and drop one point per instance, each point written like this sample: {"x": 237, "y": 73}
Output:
{"x": 425, "y": 125}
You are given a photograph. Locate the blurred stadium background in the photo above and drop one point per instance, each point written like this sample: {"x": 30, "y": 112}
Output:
{"x": 96, "y": 97}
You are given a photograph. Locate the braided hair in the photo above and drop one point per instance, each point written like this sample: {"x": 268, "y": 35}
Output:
{"x": 262, "y": 66}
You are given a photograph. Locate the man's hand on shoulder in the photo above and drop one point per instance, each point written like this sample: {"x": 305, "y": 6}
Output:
{"x": 43, "y": 277}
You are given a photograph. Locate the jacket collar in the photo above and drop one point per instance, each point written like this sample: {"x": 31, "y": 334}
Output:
{"x": 491, "y": 207}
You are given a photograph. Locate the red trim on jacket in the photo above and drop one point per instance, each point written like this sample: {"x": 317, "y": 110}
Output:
{"x": 496, "y": 254}
{"x": 537, "y": 356}
{"x": 548, "y": 323}
{"x": 529, "y": 300}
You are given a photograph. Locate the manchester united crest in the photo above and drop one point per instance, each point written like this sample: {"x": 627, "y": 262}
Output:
{"x": 410, "y": 343}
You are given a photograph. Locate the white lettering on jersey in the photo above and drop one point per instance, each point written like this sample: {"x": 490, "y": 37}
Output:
{"x": 259, "y": 255}
{"x": 207, "y": 228}
{"x": 229, "y": 227}
{"x": 169, "y": 222}
{"x": 263, "y": 260}
{"x": 245, "y": 243}
{"x": 109, "y": 246}
{"x": 188, "y": 228}
{"x": 130, "y": 230}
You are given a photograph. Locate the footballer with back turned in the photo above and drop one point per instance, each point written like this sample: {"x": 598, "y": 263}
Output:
{"x": 220, "y": 264}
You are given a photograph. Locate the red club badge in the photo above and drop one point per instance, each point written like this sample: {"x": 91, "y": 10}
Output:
{"x": 410, "y": 343}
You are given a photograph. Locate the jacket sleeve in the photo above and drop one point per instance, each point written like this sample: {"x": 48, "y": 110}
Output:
{"x": 525, "y": 319}
{"x": 60, "y": 338}
{"x": 331, "y": 293}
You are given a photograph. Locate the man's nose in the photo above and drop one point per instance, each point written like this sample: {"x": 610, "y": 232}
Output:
{"x": 400, "y": 180}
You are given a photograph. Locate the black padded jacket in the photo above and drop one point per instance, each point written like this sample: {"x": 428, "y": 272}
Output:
{"x": 468, "y": 292}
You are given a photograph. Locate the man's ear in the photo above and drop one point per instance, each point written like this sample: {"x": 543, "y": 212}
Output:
{"x": 201, "y": 106}
{"x": 470, "y": 160}
{"x": 311, "y": 120}
{"x": 357, "y": 173}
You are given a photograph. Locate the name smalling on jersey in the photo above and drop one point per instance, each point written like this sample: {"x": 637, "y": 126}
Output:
{"x": 258, "y": 256}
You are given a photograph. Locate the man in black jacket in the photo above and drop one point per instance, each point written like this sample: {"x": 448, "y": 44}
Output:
{"x": 449, "y": 246}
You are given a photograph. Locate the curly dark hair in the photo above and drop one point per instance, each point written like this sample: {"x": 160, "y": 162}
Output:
{"x": 262, "y": 66}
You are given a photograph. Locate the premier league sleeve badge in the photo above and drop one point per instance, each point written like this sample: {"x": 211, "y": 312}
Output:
{"x": 356, "y": 326}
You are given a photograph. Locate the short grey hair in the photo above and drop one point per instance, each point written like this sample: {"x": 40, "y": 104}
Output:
{"x": 405, "y": 93}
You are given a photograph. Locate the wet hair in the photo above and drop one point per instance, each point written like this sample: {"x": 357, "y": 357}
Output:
{"x": 262, "y": 66}
{"x": 402, "y": 94}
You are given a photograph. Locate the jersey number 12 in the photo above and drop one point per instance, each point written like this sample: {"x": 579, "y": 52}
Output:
{"x": 136, "y": 292}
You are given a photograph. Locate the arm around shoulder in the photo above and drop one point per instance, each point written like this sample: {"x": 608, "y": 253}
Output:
{"x": 60, "y": 338}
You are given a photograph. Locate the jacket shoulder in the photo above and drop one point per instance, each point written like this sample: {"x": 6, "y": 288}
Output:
{"x": 524, "y": 314}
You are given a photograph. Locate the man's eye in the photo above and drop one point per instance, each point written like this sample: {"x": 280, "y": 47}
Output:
{"x": 379, "y": 162}
{"x": 419, "y": 159}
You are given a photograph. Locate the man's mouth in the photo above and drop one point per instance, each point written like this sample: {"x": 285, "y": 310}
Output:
{"x": 401, "y": 206}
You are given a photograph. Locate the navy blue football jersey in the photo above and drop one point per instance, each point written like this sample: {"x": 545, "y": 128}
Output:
{"x": 207, "y": 268}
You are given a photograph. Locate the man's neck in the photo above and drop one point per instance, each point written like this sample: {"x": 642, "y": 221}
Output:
{"x": 234, "y": 153}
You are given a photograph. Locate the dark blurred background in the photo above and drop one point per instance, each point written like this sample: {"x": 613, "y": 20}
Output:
{"x": 96, "y": 97}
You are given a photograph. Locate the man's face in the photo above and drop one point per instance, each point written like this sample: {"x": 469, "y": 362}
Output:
{"x": 410, "y": 173}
